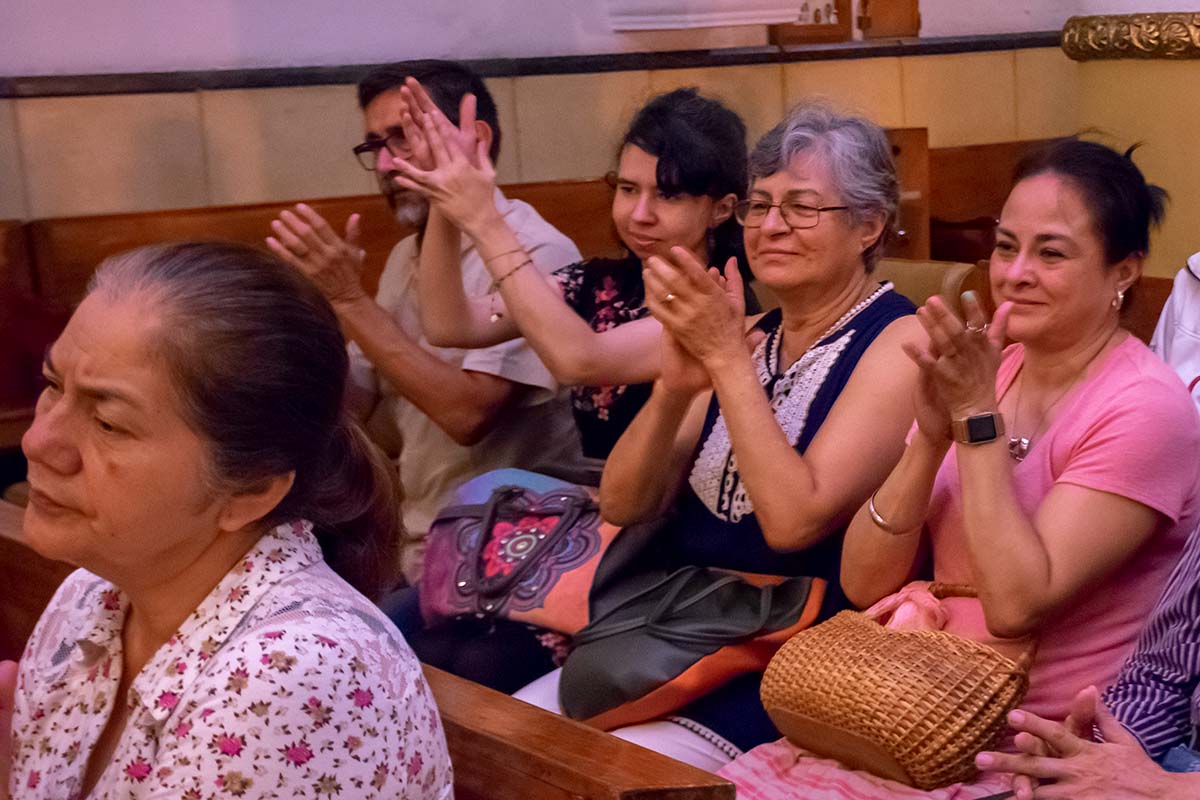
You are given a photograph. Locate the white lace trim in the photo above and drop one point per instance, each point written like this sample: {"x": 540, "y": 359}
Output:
{"x": 714, "y": 476}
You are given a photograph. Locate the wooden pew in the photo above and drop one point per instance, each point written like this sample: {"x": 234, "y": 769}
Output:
{"x": 505, "y": 749}
{"x": 66, "y": 250}
{"x": 16, "y": 268}
{"x": 29, "y": 582}
{"x": 502, "y": 748}
{"x": 1144, "y": 306}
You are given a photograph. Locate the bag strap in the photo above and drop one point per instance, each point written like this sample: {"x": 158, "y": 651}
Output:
{"x": 943, "y": 590}
{"x": 596, "y": 629}
{"x": 655, "y": 620}
{"x": 475, "y": 510}
{"x": 766, "y": 595}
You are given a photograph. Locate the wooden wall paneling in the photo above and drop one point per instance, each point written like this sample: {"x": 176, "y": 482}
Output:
{"x": 968, "y": 187}
{"x": 910, "y": 148}
{"x": 882, "y": 19}
{"x": 973, "y": 181}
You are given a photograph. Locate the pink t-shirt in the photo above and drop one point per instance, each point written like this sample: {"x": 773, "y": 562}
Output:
{"x": 1131, "y": 430}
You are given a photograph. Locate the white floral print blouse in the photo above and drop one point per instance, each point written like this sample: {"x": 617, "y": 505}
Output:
{"x": 284, "y": 683}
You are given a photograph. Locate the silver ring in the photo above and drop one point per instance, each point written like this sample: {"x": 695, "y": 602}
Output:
{"x": 981, "y": 329}
{"x": 668, "y": 297}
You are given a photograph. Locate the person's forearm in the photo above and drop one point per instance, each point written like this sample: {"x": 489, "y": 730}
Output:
{"x": 447, "y": 394}
{"x": 1009, "y": 560}
{"x": 564, "y": 341}
{"x": 779, "y": 481}
{"x": 876, "y": 563}
{"x": 640, "y": 473}
{"x": 448, "y": 317}
{"x": 1184, "y": 786}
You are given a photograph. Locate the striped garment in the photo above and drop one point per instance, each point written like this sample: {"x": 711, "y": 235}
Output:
{"x": 1157, "y": 694}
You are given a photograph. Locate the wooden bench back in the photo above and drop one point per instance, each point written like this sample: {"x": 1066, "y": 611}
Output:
{"x": 504, "y": 749}
{"x": 66, "y": 250}
{"x": 16, "y": 268}
{"x": 63, "y": 252}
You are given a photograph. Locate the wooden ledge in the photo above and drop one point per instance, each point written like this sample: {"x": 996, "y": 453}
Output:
{"x": 13, "y": 424}
{"x": 504, "y": 748}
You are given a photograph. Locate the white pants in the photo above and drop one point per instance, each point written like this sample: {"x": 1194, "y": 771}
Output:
{"x": 668, "y": 738}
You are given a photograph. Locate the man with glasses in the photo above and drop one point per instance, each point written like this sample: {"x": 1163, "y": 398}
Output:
{"x": 447, "y": 414}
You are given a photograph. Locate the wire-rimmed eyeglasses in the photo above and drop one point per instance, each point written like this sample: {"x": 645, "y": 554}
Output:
{"x": 752, "y": 213}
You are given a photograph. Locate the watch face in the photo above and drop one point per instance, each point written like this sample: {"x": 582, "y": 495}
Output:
{"x": 981, "y": 428}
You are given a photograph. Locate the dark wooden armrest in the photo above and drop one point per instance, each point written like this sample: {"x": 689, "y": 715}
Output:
{"x": 503, "y": 748}
{"x": 28, "y": 582}
{"x": 13, "y": 424}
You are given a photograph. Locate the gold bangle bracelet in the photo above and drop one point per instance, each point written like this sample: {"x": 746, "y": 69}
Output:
{"x": 879, "y": 521}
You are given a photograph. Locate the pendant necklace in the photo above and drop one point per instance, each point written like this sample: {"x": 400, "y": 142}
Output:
{"x": 1018, "y": 446}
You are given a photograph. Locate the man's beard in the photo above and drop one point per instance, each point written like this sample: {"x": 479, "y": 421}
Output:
{"x": 409, "y": 208}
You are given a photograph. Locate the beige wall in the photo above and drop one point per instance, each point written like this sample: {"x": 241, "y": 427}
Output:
{"x": 92, "y": 155}
{"x": 1153, "y": 102}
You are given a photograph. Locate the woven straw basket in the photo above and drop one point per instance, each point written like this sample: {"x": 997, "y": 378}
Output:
{"x": 909, "y": 706}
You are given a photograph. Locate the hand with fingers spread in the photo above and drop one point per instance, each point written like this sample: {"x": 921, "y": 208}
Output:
{"x": 8, "y": 691}
{"x": 465, "y": 135}
{"x": 703, "y": 309}
{"x": 450, "y": 165}
{"x": 932, "y": 415}
{"x": 960, "y": 361}
{"x": 1062, "y": 762}
{"x": 334, "y": 263}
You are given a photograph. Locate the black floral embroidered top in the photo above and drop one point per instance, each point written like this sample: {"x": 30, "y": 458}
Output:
{"x": 605, "y": 293}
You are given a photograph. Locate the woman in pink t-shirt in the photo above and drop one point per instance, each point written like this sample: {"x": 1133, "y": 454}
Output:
{"x": 1058, "y": 477}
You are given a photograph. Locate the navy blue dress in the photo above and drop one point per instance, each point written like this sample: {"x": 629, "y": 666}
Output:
{"x": 715, "y": 525}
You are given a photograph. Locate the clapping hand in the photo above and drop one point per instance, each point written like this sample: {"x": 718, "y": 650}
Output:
{"x": 958, "y": 363}
{"x": 449, "y": 165}
{"x": 334, "y": 263}
{"x": 703, "y": 309}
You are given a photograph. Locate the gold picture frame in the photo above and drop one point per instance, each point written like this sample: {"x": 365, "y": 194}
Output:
{"x": 1174, "y": 35}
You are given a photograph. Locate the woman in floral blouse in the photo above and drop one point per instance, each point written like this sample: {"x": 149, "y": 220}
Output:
{"x": 190, "y": 454}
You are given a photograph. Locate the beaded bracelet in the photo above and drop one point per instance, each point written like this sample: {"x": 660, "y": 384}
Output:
{"x": 497, "y": 314}
{"x": 490, "y": 259}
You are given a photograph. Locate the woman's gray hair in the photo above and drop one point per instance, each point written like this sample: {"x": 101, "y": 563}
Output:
{"x": 857, "y": 152}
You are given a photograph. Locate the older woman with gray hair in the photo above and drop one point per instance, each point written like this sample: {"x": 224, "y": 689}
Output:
{"x": 191, "y": 455}
{"x": 765, "y": 455}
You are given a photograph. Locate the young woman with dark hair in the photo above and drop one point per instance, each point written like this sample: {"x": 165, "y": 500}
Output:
{"x": 191, "y": 455}
{"x": 681, "y": 168}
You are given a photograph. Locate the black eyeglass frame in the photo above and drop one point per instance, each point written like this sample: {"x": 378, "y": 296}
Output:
{"x": 741, "y": 211}
{"x": 396, "y": 144}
